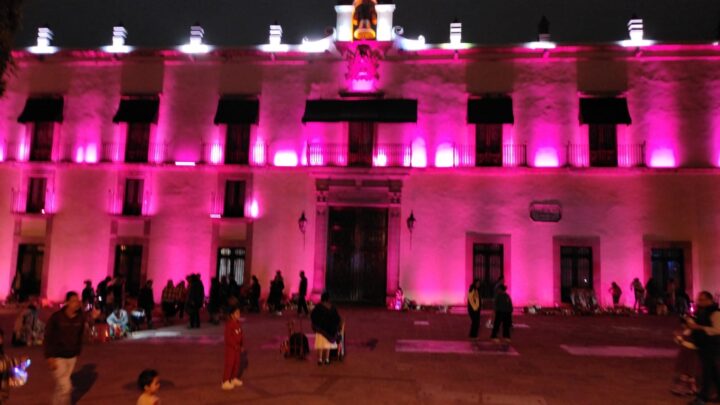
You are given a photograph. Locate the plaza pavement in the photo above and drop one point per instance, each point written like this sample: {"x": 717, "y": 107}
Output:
{"x": 536, "y": 369}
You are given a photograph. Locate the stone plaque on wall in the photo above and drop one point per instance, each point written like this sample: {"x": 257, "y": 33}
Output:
{"x": 546, "y": 211}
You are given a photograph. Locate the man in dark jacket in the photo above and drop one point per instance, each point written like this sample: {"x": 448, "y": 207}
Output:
{"x": 102, "y": 292}
{"x": 63, "y": 343}
{"x": 706, "y": 335}
{"x": 503, "y": 314}
{"x": 195, "y": 300}
{"x": 146, "y": 301}
{"x": 302, "y": 292}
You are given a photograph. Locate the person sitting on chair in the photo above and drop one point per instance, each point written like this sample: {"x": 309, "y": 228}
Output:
{"x": 119, "y": 323}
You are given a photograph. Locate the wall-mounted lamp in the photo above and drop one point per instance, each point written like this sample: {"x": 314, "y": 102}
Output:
{"x": 411, "y": 222}
{"x": 411, "y": 225}
{"x": 302, "y": 223}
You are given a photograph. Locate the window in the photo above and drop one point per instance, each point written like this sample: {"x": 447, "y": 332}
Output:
{"x": 237, "y": 144}
{"x": 42, "y": 141}
{"x": 576, "y": 270}
{"x": 488, "y": 145}
{"x": 133, "y": 198}
{"x": 138, "y": 142}
{"x": 488, "y": 266}
{"x": 362, "y": 141}
{"x": 234, "y": 199}
{"x": 603, "y": 145}
{"x": 36, "y": 195}
{"x": 231, "y": 264}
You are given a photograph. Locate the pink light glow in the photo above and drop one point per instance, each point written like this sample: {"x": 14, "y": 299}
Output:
{"x": 663, "y": 158}
{"x": 419, "y": 154}
{"x": 253, "y": 209}
{"x": 216, "y": 153}
{"x": 91, "y": 155}
{"x": 2, "y": 152}
{"x": 285, "y": 159}
{"x": 259, "y": 153}
{"x": 546, "y": 157}
{"x": 157, "y": 154}
{"x": 23, "y": 151}
{"x": 79, "y": 154}
{"x": 380, "y": 159}
{"x": 185, "y": 164}
{"x": 362, "y": 85}
{"x": 445, "y": 155}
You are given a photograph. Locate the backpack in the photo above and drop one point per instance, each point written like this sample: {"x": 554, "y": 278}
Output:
{"x": 297, "y": 344}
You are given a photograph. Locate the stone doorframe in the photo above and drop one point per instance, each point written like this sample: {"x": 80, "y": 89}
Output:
{"x": 357, "y": 191}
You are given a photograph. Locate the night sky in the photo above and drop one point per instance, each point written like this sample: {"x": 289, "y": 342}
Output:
{"x": 166, "y": 23}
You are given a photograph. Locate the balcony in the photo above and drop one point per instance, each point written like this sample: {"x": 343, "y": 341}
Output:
{"x": 215, "y": 153}
{"x": 116, "y": 205}
{"x": 626, "y": 155}
{"x": 338, "y": 154}
{"x": 512, "y": 155}
{"x": 19, "y": 203}
{"x": 116, "y": 152}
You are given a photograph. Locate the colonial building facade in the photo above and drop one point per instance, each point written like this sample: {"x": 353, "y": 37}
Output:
{"x": 369, "y": 160}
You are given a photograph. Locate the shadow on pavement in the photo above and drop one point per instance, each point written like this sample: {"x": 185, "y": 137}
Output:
{"x": 83, "y": 380}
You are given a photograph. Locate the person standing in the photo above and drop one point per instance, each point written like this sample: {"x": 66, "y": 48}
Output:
{"x": 63, "y": 343}
{"x": 195, "y": 298}
{"x": 146, "y": 301}
{"x": 102, "y": 293}
{"x": 233, "y": 350}
{"x": 167, "y": 302}
{"x": 180, "y": 298}
{"x": 326, "y": 324}
{"x": 503, "y": 314}
{"x": 88, "y": 295}
{"x": 255, "y": 295}
{"x": 706, "y": 336}
{"x": 616, "y": 292}
{"x": 474, "y": 308}
{"x": 638, "y": 291}
{"x": 302, "y": 292}
{"x": 215, "y": 300}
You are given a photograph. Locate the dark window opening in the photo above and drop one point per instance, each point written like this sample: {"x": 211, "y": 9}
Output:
{"x": 36, "y": 195}
{"x": 237, "y": 144}
{"x": 133, "y": 198}
{"x": 138, "y": 142}
{"x": 362, "y": 140}
{"x": 576, "y": 270}
{"x": 42, "y": 141}
{"x": 603, "y": 145}
{"x": 234, "y": 206}
{"x": 488, "y": 145}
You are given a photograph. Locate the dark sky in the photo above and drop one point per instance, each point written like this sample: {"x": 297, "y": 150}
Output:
{"x": 165, "y": 23}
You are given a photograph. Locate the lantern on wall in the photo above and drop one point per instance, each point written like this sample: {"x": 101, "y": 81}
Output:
{"x": 302, "y": 223}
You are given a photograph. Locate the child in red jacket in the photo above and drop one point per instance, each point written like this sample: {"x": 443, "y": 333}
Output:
{"x": 233, "y": 349}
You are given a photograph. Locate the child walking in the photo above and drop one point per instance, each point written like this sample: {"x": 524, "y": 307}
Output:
{"x": 233, "y": 350}
{"x": 149, "y": 384}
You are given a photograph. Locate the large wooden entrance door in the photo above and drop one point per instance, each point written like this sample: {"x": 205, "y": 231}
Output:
{"x": 128, "y": 266}
{"x": 357, "y": 255}
{"x": 29, "y": 270}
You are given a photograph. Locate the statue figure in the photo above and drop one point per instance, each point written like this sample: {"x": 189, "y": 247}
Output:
{"x": 364, "y": 19}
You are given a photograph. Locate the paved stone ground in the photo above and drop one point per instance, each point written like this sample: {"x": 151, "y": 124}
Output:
{"x": 190, "y": 364}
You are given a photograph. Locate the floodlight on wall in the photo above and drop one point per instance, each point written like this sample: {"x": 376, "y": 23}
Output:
{"x": 455, "y": 32}
{"x": 196, "y": 45}
{"x": 543, "y": 40}
{"x": 118, "y": 41}
{"x": 407, "y": 44}
{"x": 275, "y": 40}
{"x": 636, "y": 31}
{"x": 44, "y": 42}
{"x": 320, "y": 45}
